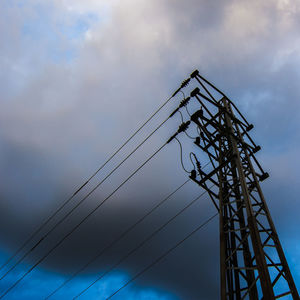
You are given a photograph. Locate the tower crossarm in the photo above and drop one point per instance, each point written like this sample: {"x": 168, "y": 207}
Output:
{"x": 253, "y": 264}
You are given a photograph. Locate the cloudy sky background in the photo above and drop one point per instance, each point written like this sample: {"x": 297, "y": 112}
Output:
{"x": 78, "y": 77}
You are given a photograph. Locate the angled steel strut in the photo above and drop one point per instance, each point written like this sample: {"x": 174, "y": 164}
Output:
{"x": 253, "y": 264}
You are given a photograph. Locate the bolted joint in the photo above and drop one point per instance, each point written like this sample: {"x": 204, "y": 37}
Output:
{"x": 252, "y": 185}
{"x": 249, "y": 127}
{"x": 256, "y": 149}
{"x": 193, "y": 174}
{"x": 264, "y": 176}
{"x": 198, "y": 114}
{"x": 244, "y": 145}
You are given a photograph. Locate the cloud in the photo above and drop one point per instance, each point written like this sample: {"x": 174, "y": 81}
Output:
{"x": 77, "y": 77}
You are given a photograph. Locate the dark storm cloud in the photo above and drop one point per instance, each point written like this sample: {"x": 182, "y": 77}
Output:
{"x": 59, "y": 122}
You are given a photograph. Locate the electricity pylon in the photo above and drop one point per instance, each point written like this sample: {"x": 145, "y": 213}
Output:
{"x": 252, "y": 261}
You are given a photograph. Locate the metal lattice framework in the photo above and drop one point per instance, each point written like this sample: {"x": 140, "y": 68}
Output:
{"x": 253, "y": 264}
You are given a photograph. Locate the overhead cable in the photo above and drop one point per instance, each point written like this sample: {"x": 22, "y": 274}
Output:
{"x": 80, "y": 223}
{"x": 181, "y": 159}
{"x": 99, "y": 254}
{"x": 78, "y": 204}
{"x": 31, "y": 237}
{"x": 163, "y": 256}
{"x": 141, "y": 243}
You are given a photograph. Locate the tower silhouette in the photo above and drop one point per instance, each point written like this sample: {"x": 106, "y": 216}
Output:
{"x": 252, "y": 261}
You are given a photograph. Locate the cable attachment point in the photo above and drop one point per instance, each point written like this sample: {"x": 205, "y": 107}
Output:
{"x": 198, "y": 164}
{"x": 183, "y": 84}
{"x": 193, "y": 174}
{"x": 171, "y": 138}
{"x": 197, "y": 115}
{"x": 195, "y": 92}
{"x": 174, "y": 112}
{"x": 256, "y": 149}
{"x": 249, "y": 127}
{"x": 198, "y": 139}
{"x": 194, "y": 74}
{"x": 183, "y": 126}
{"x": 264, "y": 176}
{"x": 183, "y": 103}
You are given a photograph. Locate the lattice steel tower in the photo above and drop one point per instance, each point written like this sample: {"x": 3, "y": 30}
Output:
{"x": 253, "y": 264}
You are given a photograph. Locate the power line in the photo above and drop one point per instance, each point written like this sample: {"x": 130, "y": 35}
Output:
{"x": 81, "y": 222}
{"x": 80, "y": 202}
{"x": 83, "y": 185}
{"x": 163, "y": 256}
{"x": 99, "y": 254}
{"x": 119, "y": 238}
{"x": 142, "y": 243}
{"x": 181, "y": 160}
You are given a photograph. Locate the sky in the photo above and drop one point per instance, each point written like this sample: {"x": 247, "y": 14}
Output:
{"x": 78, "y": 77}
